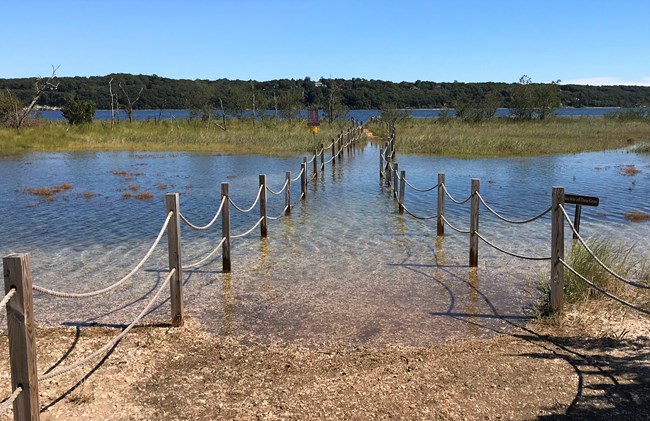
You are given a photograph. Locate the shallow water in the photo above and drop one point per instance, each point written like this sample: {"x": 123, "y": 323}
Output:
{"x": 344, "y": 267}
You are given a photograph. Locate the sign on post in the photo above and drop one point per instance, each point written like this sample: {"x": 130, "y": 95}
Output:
{"x": 576, "y": 199}
{"x": 312, "y": 119}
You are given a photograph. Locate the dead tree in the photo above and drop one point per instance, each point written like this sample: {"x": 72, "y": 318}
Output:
{"x": 41, "y": 85}
{"x": 114, "y": 102}
{"x": 129, "y": 104}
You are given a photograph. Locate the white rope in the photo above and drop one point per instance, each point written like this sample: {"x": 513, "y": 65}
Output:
{"x": 286, "y": 182}
{"x": 415, "y": 188}
{"x": 330, "y": 160}
{"x": 259, "y": 193}
{"x": 603, "y": 265}
{"x": 204, "y": 227}
{"x": 521, "y": 256}
{"x": 460, "y": 202}
{"x": 8, "y": 404}
{"x": 115, "y": 285}
{"x": 416, "y": 216}
{"x": 212, "y": 253}
{"x": 453, "y": 227}
{"x": 7, "y": 297}
{"x": 299, "y": 175}
{"x": 112, "y": 342}
{"x": 602, "y": 291}
{"x": 272, "y": 218}
{"x": 312, "y": 158}
{"x": 525, "y": 221}
{"x": 297, "y": 200}
{"x": 250, "y": 230}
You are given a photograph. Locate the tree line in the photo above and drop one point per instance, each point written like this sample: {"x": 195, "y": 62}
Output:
{"x": 78, "y": 97}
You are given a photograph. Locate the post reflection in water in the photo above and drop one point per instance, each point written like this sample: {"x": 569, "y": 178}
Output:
{"x": 471, "y": 306}
{"x": 228, "y": 327}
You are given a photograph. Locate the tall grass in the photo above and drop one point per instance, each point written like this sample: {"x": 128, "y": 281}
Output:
{"x": 271, "y": 137}
{"x": 507, "y": 137}
{"x": 616, "y": 256}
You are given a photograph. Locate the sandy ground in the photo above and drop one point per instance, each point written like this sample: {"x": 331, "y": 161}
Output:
{"x": 594, "y": 364}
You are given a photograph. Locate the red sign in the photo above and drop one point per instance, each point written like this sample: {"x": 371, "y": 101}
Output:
{"x": 313, "y": 118}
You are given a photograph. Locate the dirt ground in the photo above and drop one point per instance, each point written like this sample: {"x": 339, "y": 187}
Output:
{"x": 594, "y": 364}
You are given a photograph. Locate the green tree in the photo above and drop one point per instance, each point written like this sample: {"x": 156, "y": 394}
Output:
{"x": 10, "y": 108}
{"x": 78, "y": 111}
{"x": 534, "y": 100}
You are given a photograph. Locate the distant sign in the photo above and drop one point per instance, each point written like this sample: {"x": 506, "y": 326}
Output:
{"x": 576, "y": 199}
{"x": 312, "y": 119}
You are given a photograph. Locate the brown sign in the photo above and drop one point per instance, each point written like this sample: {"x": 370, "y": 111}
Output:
{"x": 313, "y": 118}
{"x": 576, "y": 199}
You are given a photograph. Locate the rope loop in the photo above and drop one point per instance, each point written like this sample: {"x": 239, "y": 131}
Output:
{"x": 460, "y": 202}
{"x": 416, "y": 216}
{"x": 116, "y": 284}
{"x": 510, "y": 221}
{"x": 453, "y": 227}
{"x": 259, "y": 193}
{"x": 205, "y": 259}
{"x": 250, "y": 230}
{"x": 417, "y": 189}
{"x": 296, "y": 178}
{"x": 204, "y": 227}
{"x": 520, "y": 256}
{"x": 284, "y": 186}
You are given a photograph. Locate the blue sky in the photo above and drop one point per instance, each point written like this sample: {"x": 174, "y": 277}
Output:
{"x": 589, "y": 42}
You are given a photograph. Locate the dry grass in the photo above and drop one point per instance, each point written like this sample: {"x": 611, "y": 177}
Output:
{"x": 48, "y": 192}
{"x": 629, "y": 170}
{"x": 144, "y": 196}
{"x": 134, "y": 187}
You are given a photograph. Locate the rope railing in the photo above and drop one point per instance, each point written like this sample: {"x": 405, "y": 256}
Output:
{"x": 460, "y": 202}
{"x": 510, "y": 221}
{"x": 112, "y": 342}
{"x": 9, "y": 402}
{"x": 311, "y": 160}
{"x": 250, "y": 230}
{"x": 418, "y": 189}
{"x": 416, "y": 216}
{"x": 600, "y": 262}
{"x": 251, "y": 207}
{"x": 209, "y": 224}
{"x": 453, "y": 227}
{"x": 205, "y": 259}
{"x": 603, "y": 291}
{"x": 298, "y": 200}
{"x": 7, "y": 297}
{"x": 296, "y": 178}
{"x": 521, "y": 256}
{"x": 286, "y": 183}
{"x": 116, "y": 284}
{"x": 275, "y": 218}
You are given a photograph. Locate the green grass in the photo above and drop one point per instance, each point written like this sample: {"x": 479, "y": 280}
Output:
{"x": 505, "y": 137}
{"x": 614, "y": 255}
{"x": 272, "y": 137}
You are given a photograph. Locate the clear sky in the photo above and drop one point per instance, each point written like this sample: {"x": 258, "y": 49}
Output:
{"x": 589, "y": 42}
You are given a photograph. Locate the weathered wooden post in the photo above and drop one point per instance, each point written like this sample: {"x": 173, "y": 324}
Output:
{"x": 22, "y": 336}
{"x": 473, "y": 224}
{"x": 322, "y": 157}
{"x": 576, "y": 221}
{"x": 315, "y": 161}
{"x": 334, "y": 143}
{"x": 287, "y": 193}
{"x": 441, "y": 205}
{"x": 381, "y": 166}
{"x": 395, "y": 179}
{"x": 175, "y": 258}
{"x": 402, "y": 186}
{"x": 264, "y": 225}
{"x": 303, "y": 180}
{"x": 557, "y": 251}
{"x": 225, "y": 226}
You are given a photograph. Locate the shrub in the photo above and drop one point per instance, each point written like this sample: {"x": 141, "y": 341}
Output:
{"x": 78, "y": 111}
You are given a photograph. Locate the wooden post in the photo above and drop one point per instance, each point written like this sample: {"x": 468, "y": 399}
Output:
{"x": 175, "y": 258}
{"x": 22, "y": 336}
{"x": 322, "y": 157}
{"x": 441, "y": 205}
{"x": 381, "y": 166}
{"x": 402, "y": 186}
{"x": 557, "y": 251}
{"x": 334, "y": 143}
{"x": 264, "y": 225}
{"x": 303, "y": 180}
{"x": 395, "y": 179}
{"x": 576, "y": 221}
{"x": 315, "y": 161}
{"x": 473, "y": 224}
{"x": 225, "y": 226}
{"x": 287, "y": 193}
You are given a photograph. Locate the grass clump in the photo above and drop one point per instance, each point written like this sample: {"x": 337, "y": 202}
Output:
{"x": 499, "y": 137}
{"x": 617, "y": 257}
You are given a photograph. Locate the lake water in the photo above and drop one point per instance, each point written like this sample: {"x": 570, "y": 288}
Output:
{"x": 359, "y": 115}
{"x": 344, "y": 267}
